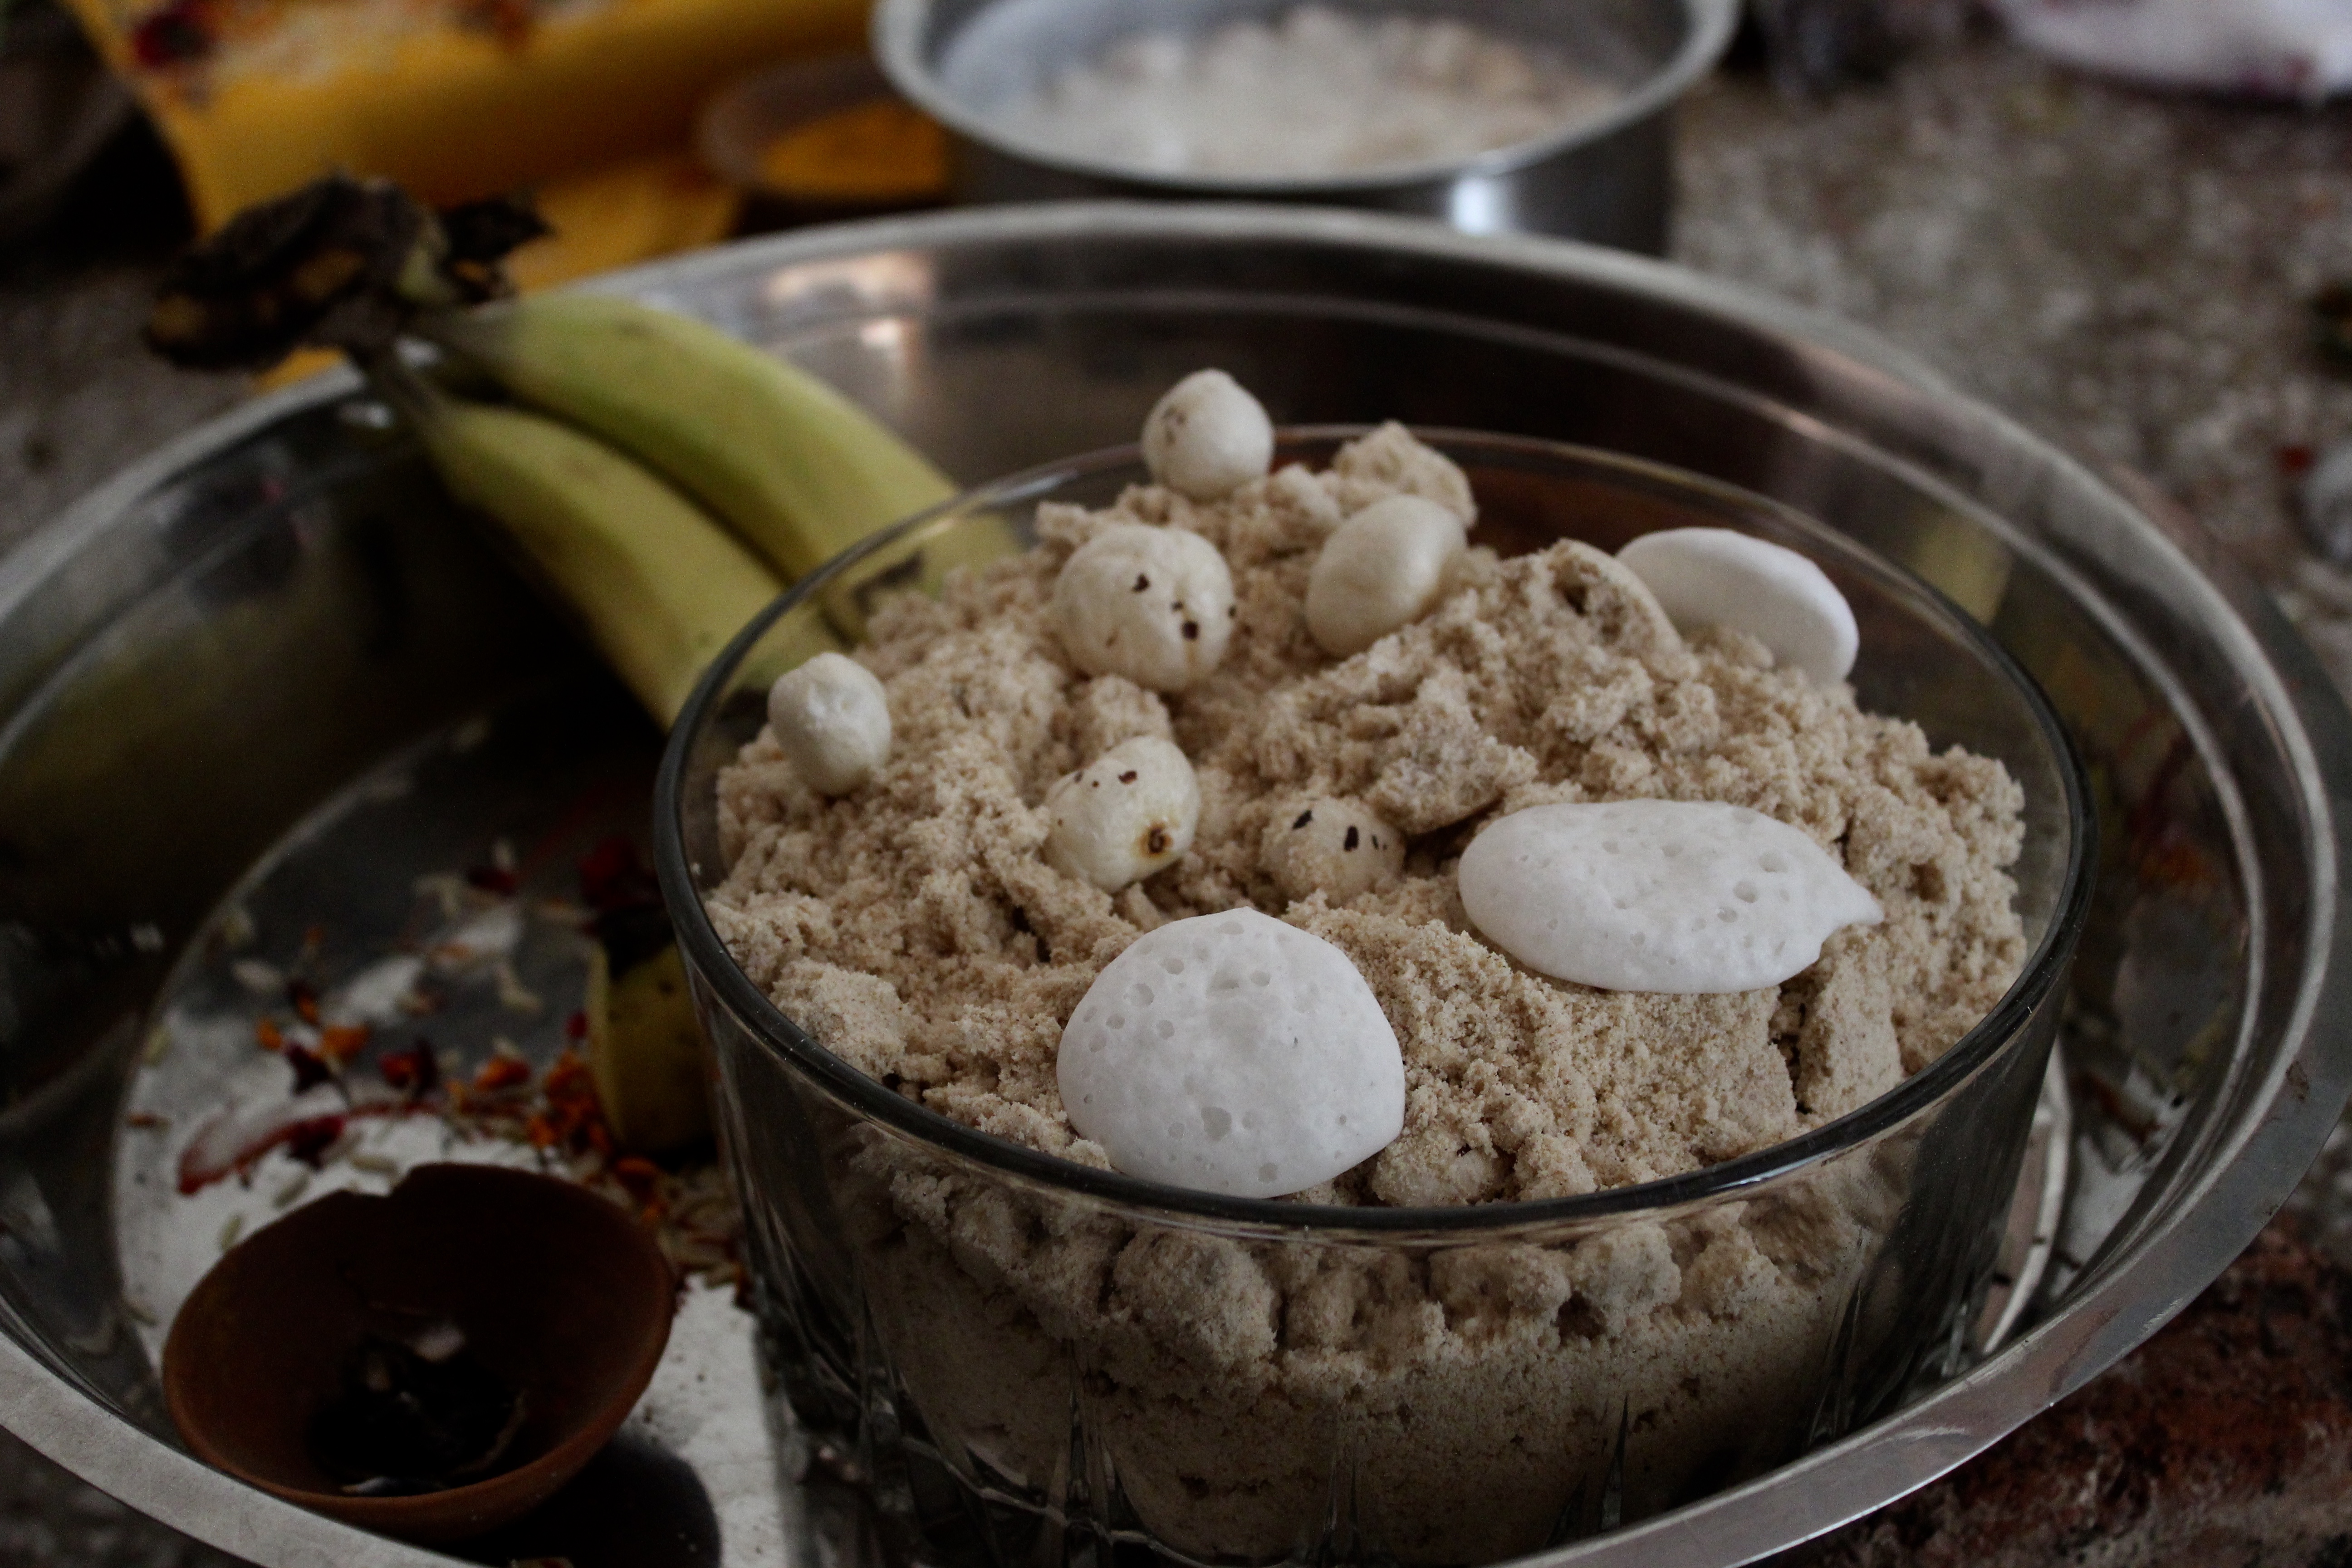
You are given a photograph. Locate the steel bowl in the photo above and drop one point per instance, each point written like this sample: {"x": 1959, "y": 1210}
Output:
{"x": 1608, "y": 178}
{"x": 229, "y": 631}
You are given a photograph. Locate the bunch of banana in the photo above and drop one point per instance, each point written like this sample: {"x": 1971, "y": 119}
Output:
{"x": 798, "y": 471}
{"x": 792, "y": 466}
{"x": 662, "y": 479}
{"x": 656, "y": 585}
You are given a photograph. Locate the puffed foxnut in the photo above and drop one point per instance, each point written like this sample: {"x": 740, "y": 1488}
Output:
{"x": 1154, "y": 605}
{"x": 832, "y": 721}
{"x": 1207, "y": 437}
{"x": 1336, "y": 847}
{"x": 1129, "y": 812}
{"x": 1381, "y": 569}
{"x": 1715, "y": 576}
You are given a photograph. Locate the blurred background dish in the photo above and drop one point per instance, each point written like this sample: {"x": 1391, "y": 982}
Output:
{"x": 810, "y": 140}
{"x": 985, "y": 67}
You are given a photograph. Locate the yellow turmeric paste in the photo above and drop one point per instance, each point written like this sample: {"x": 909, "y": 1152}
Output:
{"x": 877, "y": 150}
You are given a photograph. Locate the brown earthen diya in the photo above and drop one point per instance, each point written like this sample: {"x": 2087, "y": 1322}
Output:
{"x": 430, "y": 1363}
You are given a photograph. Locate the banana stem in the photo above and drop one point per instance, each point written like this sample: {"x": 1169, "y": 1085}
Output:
{"x": 339, "y": 263}
{"x": 395, "y": 381}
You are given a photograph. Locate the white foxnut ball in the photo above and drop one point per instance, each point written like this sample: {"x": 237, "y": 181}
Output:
{"x": 1714, "y": 576}
{"x": 1154, "y": 605}
{"x": 1381, "y": 569}
{"x": 1129, "y": 812}
{"x": 1208, "y": 436}
{"x": 832, "y": 721}
{"x": 1324, "y": 844}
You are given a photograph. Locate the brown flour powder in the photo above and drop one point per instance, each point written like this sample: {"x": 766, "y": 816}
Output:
{"x": 915, "y": 930}
{"x": 1308, "y": 1395}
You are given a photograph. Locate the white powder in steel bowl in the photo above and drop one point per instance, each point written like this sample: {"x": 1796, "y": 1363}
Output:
{"x": 1316, "y": 91}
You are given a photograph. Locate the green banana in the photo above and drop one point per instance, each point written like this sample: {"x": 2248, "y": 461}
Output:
{"x": 659, "y": 587}
{"x": 799, "y": 471}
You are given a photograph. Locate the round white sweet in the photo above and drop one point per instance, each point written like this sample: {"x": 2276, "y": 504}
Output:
{"x": 1658, "y": 895}
{"x": 1154, "y": 605}
{"x": 832, "y": 721}
{"x": 1207, "y": 437}
{"x": 1233, "y": 1054}
{"x": 1123, "y": 815}
{"x": 1381, "y": 569}
{"x": 1714, "y": 576}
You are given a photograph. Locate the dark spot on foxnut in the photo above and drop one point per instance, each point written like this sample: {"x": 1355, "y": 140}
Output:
{"x": 1156, "y": 841}
{"x": 1128, "y": 777}
{"x": 1304, "y": 818}
{"x": 1141, "y": 583}
{"x": 1191, "y": 631}
{"x": 1348, "y": 842}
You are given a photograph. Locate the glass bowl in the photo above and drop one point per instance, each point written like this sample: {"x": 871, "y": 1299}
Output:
{"x": 1030, "y": 1361}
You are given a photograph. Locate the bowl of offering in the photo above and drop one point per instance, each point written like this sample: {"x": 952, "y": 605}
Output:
{"x": 1619, "y": 1234}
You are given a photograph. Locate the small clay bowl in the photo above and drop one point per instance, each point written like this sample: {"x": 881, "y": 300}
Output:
{"x": 558, "y": 1294}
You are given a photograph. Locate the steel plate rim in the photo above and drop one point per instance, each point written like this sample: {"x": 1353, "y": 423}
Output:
{"x": 50, "y": 1413}
{"x": 41, "y": 554}
{"x": 1335, "y": 227}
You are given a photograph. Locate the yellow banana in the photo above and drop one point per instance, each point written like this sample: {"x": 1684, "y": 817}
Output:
{"x": 644, "y": 1051}
{"x": 659, "y": 587}
{"x": 796, "y": 469}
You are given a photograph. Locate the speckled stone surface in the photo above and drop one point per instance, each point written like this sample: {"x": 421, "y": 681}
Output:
{"x": 77, "y": 396}
{"x": 2226, "y": 1440}
{"x": 2125, "y": 273}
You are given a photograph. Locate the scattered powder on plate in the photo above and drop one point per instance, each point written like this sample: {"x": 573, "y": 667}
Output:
{"x": 1319, "y": 91}
{"x": 1463, "y": 1399}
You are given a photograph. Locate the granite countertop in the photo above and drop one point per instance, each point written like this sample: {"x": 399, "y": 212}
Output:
{"x": 2125, "y": 272}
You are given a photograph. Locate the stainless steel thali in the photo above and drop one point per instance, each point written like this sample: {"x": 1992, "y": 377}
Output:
{"x": 281, "y": 609}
